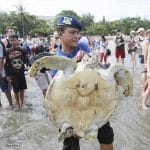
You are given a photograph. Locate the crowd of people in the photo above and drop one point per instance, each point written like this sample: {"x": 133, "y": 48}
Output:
{"x": 17, "y": 55}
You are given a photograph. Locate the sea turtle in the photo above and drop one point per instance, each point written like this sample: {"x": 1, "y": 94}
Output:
{"x": 82, "y": 95}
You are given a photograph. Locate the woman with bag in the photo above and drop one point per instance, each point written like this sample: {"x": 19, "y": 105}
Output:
{"x": 132, "y": 49}
{"x": 103, "y": 50}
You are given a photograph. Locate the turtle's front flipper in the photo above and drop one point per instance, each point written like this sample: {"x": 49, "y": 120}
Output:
{"x": 123, "y": 78}
{"x": 52, "y": 62}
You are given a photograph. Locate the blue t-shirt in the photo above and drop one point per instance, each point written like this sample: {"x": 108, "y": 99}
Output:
{"x": 60, "y": 52}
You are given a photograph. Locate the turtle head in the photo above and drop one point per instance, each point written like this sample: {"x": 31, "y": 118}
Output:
{"x": 35, "y": 68}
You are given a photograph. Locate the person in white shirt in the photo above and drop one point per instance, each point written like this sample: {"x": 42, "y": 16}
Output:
{"x": 103, "y": 50}
{"x": 84, "y": 39}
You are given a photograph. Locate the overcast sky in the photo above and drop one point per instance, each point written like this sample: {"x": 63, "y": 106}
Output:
{"x": 111, "y": 9}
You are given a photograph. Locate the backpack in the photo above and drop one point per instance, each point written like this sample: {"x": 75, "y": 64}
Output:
{"x": 8, "y": 44}
{"x": 4, "y": 49}
{"x": 108, "y": 52}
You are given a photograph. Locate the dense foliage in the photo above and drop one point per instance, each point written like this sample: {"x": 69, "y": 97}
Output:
{"x": 27, "y": 24}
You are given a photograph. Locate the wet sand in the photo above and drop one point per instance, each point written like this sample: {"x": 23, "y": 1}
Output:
{"x": 31, "y": 128}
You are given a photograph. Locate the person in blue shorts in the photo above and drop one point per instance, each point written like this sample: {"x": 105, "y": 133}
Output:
{"x": 68, "y": 29}
{"x": 4, "y": 84}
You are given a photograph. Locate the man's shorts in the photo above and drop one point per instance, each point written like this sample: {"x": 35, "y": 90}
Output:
{"x": 105, "y": 134}
{"x": 42, "y": 80}
{"x": 5, "y": 85}
{"x": 120, "y": 53}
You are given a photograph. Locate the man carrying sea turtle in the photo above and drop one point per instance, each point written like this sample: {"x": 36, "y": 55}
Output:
{"x": 68, "y": 29}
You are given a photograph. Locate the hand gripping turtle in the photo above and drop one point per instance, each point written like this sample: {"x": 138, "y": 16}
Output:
{"x": 82, "y": 96}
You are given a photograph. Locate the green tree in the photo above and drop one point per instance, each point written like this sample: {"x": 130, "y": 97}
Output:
{"x": 5, "y": 21}
{"x": 30, "y": 24}
{"x": 22, "y": 17}
{"x": 87, "y": 20}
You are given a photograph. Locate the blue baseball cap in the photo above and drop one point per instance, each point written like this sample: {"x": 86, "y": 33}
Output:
{"x": 68, "y": 21}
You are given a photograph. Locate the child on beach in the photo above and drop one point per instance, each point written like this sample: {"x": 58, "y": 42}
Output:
{"x": 15, "y": 60}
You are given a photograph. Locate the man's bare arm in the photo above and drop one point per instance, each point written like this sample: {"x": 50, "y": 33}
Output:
{"x": 148, "y": 62}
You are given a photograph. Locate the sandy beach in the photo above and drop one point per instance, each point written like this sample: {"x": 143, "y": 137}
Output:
{"x": 31, "y": 129}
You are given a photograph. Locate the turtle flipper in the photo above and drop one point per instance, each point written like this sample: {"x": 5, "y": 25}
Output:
{"x": 52, "y": 62}
{"x": 91, "y": 134}
{"x": 65, "y": 131}
{"x": 123, "y": 78}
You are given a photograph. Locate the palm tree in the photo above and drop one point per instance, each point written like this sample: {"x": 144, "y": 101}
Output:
{"x": 22, "y": 16}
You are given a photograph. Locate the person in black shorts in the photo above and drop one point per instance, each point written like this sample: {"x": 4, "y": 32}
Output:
{"x": 15, "y": 60}
{"x": 68, "y": 31}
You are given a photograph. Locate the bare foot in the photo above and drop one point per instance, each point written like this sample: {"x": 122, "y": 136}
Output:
{"x": 11, "y": 107}
{"x": 17, "y": 108}
{"x": 144, "y": 107}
